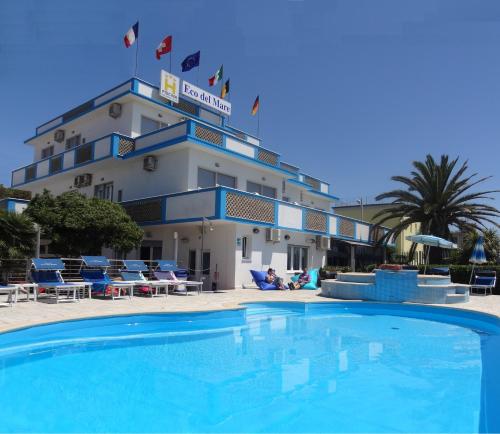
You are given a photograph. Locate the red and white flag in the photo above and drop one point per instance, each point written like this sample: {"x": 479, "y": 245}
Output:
{"x": 164, "y": 47}
{"x": 132, "y": 34}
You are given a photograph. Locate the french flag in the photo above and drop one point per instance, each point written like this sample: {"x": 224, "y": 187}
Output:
{"x": 131, "y": 36}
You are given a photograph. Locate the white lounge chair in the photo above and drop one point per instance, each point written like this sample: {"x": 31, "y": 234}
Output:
{"x": 165, "y": 272}
{"x": 133, "y": 272}
{"x": 46, "y": 273}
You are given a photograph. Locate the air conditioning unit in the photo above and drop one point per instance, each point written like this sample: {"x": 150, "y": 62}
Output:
{"x": 150, "y": 163}
{"x": 83, "y": 180}
{"x": 322, "y": 242}
{"x": 115, "y": 110}
{"x": 273, "y": 235}
{"x": 59, "y": 136}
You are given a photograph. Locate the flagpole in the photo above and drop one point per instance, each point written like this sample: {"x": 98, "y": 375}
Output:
{"x": 258, "y": 120}
{"x": 136, "y": 54}
{"x": 170, "y": 64}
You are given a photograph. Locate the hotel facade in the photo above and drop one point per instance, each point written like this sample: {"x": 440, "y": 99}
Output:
{"x": 208, "y": 195}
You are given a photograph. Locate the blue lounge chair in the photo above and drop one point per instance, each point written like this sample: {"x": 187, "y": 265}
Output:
{"x": 133, "y": 272}
{"x": 96, "y": 274}
{"x": 259, "y": 277}
{"x": 46, "y": 273}
{"x": 484, "y": 280}
{"x": 168, "y": 272}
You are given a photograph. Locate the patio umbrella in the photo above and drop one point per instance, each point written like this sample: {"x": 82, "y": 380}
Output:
{"x": 478, "y": 256}
{"x": 431, "y": 241}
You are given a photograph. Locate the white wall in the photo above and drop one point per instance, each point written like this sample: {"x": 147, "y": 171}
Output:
{"x": 265, "y": 254}
{"x": 127, "y": 175}
{"x": 229, "y": 166}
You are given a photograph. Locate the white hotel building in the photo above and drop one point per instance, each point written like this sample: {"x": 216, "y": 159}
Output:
{"x": 174, "y": 166}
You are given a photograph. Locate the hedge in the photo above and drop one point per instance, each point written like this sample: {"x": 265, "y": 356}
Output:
{"x": 461, "y": 273}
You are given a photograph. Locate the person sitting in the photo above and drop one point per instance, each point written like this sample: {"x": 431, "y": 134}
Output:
{"x": 303, "y": 279}
{"x": 271, "y": 278}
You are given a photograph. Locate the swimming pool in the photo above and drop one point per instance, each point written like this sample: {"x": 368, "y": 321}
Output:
{"x": 274, "y": 367}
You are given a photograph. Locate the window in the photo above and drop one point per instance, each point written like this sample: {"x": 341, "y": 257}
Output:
{"x": 245, "y": 248}
{"x": 286, "y": 199}
{"x": 296, "y": 257}
{"x": 104, "y": 191}
{"x": 208, "y": 178}
{"x": 120, "y": 195}
{"x": 264, "y": 190}
{"x": 47, "y": 152}
{"x": 73, "y": 142}
{"x": 149, "y": 125}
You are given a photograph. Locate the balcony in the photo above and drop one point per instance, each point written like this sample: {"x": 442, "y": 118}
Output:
{"x": 123, "y": 147}
{"x": 100, "y": 149}
{"x": 223, "y": 203}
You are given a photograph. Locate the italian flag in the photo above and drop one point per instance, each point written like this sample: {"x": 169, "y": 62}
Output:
{"x": 216, "y": 78}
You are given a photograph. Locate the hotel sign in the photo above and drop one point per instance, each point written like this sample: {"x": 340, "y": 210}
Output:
{"x": 208, "y": 99}
{"x": 169, "y": 86}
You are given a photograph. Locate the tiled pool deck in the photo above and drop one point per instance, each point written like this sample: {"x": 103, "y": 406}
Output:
{"x": 30, "y": 313}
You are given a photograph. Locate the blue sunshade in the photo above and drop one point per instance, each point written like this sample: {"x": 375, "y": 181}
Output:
{"x": 96, "y": 261}
{"x": 48, "y": 264}
{"x": 167, "y": 265}
{"x": 134, "y": 265}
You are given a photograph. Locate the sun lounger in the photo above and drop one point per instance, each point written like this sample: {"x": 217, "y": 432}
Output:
{"x": 46, "y": 273}
{"x": 11, "y": 291}
{"x": 133, "y": 271}
{"x": 166, "y": 272}
{"x": 95, "y": 273}
{"x": 485, "y": 281}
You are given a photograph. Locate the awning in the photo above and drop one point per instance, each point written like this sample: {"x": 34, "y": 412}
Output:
{"x": 354, "y": 243}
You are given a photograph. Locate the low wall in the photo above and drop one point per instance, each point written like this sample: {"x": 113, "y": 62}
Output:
{"x": 395, "y": 286}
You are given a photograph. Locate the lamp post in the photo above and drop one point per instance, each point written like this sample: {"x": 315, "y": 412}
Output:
{"x": 203, "y": 220}
{"x": 37, "y": 248}
{"x": 360, "y": 201}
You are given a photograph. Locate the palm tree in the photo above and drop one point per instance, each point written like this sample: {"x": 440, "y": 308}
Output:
{"x": 437, "y": 196}
{"x": 17, "y": 236}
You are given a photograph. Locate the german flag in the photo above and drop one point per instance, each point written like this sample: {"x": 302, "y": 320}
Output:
{"x": 225, "y": 89}
{"x": 255, "y": 107}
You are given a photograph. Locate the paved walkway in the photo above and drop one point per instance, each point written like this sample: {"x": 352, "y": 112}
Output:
{"x": 30, "y": 313}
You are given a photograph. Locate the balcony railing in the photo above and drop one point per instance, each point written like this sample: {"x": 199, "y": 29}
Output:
{"x": 235, "y": 205}
{"x": 120, "y": 146}
{"x": 97, "y": 150}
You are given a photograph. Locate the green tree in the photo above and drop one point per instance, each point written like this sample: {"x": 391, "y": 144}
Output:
{"x": 77, "y": 225}
{"x": 438, "y": 196}
{"x": 17, "y": 236}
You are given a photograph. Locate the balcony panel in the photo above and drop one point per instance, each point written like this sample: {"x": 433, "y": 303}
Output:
{"x": 145, "y": 211}
{"x": 18, "y": 176}
{"x": 315, "y": 221}
{"x": 362, "y": 231}
{"x": 346, "y": 227}
{"x": 249, "y": 207}
{"x": 332, "y": 225}
{"x": 68, "y": 160}
{"x": 189, "y": 206}
{"x": 42, "y": 168}
{"x": 289, "y": 216}
{"x": 240, "y": 147}
{"x": 161, "y": 136}
{"x": 102, "y": 148}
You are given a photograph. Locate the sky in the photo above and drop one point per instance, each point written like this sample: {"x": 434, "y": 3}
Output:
{"x": 352, "y": 91}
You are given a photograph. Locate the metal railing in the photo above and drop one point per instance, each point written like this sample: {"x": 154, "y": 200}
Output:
{"x": 17, "y": 270}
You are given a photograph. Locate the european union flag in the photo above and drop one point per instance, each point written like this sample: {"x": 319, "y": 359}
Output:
{"x": 191, "y": 61}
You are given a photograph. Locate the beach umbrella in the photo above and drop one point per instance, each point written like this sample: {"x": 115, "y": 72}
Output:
{"x": 478, "y": 256}
{"x": 431, "y": 241}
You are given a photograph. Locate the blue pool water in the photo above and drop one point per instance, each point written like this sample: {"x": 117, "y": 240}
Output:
{"x": 281, "y": 367}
